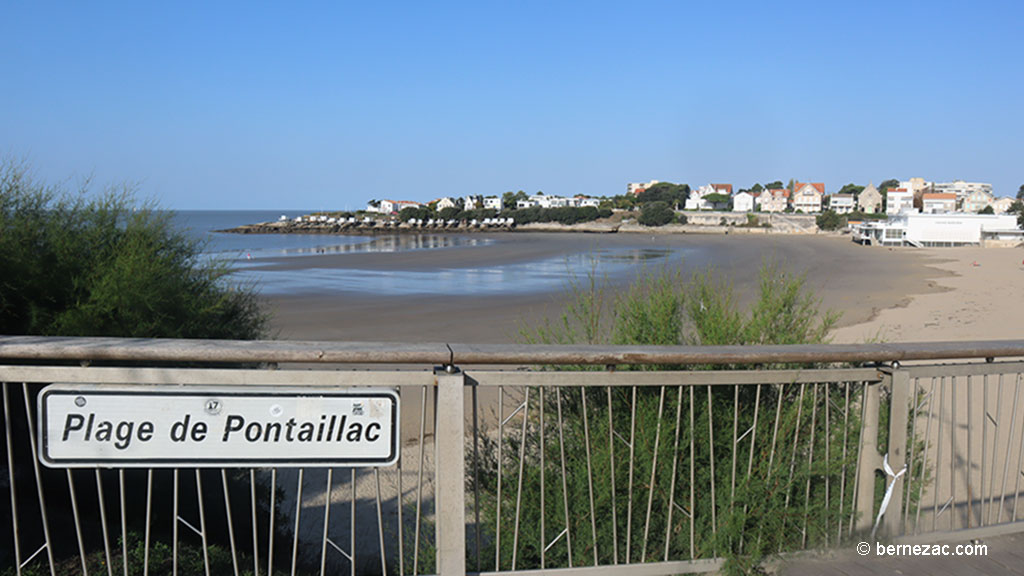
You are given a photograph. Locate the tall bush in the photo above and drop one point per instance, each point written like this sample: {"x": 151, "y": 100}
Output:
{"x": 641, "y": 463}
{"x": 104, "y": 265}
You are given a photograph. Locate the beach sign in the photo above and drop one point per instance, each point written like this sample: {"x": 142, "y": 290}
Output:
{"x": 100, "y": 425}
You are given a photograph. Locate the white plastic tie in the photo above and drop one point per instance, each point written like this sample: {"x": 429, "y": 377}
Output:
{"x": 888, "y": 491}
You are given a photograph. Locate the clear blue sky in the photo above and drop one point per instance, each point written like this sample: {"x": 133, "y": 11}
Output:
{"x": 326, "y": 105}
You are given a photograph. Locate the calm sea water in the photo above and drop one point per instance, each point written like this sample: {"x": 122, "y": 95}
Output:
{"x": 248, "y": 252}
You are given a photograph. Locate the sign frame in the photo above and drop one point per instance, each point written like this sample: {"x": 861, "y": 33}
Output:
{"x": 147, "y": 391}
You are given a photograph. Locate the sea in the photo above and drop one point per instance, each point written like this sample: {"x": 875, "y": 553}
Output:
{"x": 249, "y": 254}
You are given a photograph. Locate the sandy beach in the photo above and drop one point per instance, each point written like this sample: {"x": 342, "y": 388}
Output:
{"x": 858, "y": 281}
{"x": 976, "y": 295}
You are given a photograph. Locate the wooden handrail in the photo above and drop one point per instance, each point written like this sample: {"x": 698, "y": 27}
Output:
{"x": 42, "y": 348}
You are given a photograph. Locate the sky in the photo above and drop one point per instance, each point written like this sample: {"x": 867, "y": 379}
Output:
{"x": 231, "y": 105}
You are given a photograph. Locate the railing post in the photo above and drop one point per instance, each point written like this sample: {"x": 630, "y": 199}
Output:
{"x": 898, "y": 422}
{"x": 868, "y": 461}
{"x": 450, "y": 473}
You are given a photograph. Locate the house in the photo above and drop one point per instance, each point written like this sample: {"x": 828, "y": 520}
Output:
{"x": 870, "y": 200}
{"x": 399, "y": 205}
{"x": 587, "y": 201}
{"x": 807, "y": 197}
{"x": 697, "y": 199}
{"x": 938, "y": 203}
{"x": 898, "y": 201}
{"x": 1002, "y": 205}
{"x": 637, "y": 188}
{"x": 842, "y": 203}
{"x": 775, "y": 200}
{"x": 962, "y": 189}
{"x": 470, "y": 202}
{"x": 743, "y": 202}
{"x": 446, "y": 202}
{"x": 976, "y": 201}
{"x": 494, "y": 203}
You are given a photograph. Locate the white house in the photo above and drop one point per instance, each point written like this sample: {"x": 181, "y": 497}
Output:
{"x": 470, "y": 202}
{"x": 446, "y": 202}
{"x": 585, "y": 201}
{"x": 841, "y": 203}
{"x": 743, "y": 202}
{"x": 807, "y": 197}
{"x": 938, "y": 203}
{"x": 494, "y": 203}
{"x": 697, "y": 201}
{"x": 898, "y": 201}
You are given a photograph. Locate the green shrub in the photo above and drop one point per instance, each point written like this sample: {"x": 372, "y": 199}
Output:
{"x": 625, "y": 430}
{"x": 106, "y": 266}
{"x": 656, "y": 214}
{"x": 829, "y": 220}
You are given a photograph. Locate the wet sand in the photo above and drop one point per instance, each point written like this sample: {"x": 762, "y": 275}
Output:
{"x": 857, "y": 281}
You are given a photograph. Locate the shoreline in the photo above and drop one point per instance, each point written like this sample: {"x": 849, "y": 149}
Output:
{"x": 706, "y": 223}
{"x": 860, "y": 282}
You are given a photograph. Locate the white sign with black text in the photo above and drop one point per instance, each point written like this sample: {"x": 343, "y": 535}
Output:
{"x": 90, "y": 425}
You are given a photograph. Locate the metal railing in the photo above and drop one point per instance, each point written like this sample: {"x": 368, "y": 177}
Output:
{"x": 588, "y": 462}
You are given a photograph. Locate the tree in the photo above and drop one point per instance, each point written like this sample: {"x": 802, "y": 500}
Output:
{"x": 667, "y": 192}
{"x": 1020, "y": 193}
{"x": 1018, "y": 208}
{"x": 987, "y": 210}
{"x": 776, "y": 185}
{"x": 851, "y": 189}
{"x": 656, "y": 214}
{"x": 74, "y": 266}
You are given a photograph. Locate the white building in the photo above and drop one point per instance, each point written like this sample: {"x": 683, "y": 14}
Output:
{"x": 635, "y": 188}
{"x": 841, "y": 203}
{"x": 470, "y": 202}
{"x": 494, "y": 203}
{"x": 743, "y": 202}
{"x": 585, "y": 201}
{"x": 446, "y": 202}
{"x": 936, "y": 229}
{"x": 697, "y": 201}
{"x": 962, "y": 189}
{"x": 938, "y": 203}
{"x": 917, "y": 186}
{"x": 898, "y": 201}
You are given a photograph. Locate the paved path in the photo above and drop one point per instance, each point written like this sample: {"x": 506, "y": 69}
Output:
{"x": 1005, "y": 556}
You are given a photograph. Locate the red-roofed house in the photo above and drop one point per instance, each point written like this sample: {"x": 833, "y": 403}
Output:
{"x": 776, "y": 200}
{"x": 938, "y": 202}
{"x": 807, "y": 197}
